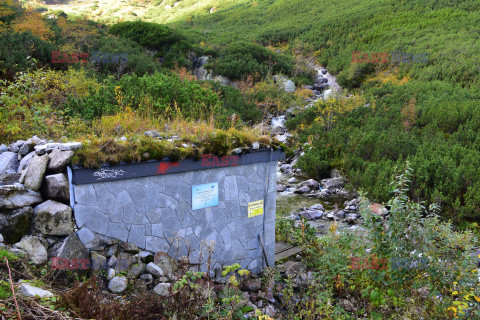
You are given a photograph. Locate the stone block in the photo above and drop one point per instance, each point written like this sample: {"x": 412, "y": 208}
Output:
{"x": 14, "y": 223}
{"x": 118, "y": 231}
{"x": 82, "y": 214}
{"x": 85, "y": 195}
{"x": 53, "y": 218}
{"x": 35, "y": 172}
{"x": 156, "y": 244}
{"x": 8, "y": 162}
{"x": 56, "y": 187}
{"x": 98, "y": 222}
{"x": 137, "y": 236}
{"x": 231, "y": 189}
{"x": 105, "y": 198}
{"x": 59, "y": 160}
{"x": 138, "y": 195}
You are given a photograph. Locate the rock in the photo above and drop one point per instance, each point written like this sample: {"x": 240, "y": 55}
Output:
{"x": 153, "y": 134}
{"x": 31, "y": 291}
{"x": 9, "y": 178}
{"x": 70, "y": 146}
{"x": 311, "y": 214}
{"x": 292, "y": 180}
{"x": 147, "y": 278}
{"x": 26, "y": 148}
{"x": 98, "y": 261}
{"x": 1, "y": 238}
{"x": 124, "y": 262}
{"x": 59, "y": 160}
{"x": 110, "y": 274}
{"x": 351, "y": 218}
{"x": 129, "y": 248}
{"x": 146, "y": 256}
{"x": 34, "y": 248}
{"x": 8, "y": 162}
{"x": 155, "y": 270}
{"x": 111, "y": 250}
{"x": 331, "y": 216}
{"x": 293, "y": 268}
{"x": 340, "y": 214}
{"x": 302, "y": 190}
{"x": 278, "y": 130}
{"x": 333, "y": 183}
{"x": 112, "y": 262}
{"x": 286, "y": 84}
{"x": 167, "y": 264}
{"x": 162, "y": 289}
{"x": 41, "y": 151}
{"x": 252, "y": 285}
{"x": 70, "y": 248}
{"x": 13, "y": 148}
{"x": 270, "y": 311}
{"x": 14, "y": 223}
{"x": 16, "y": 196}
{"x": 3, "y": 148}
{"x": 136, "y": 270}
{"x": 118, "y": 284}
{"x": 285, "y": 168}
{"x": 311, "y": 184}
{"x": 317, "y": 206}
{"x": 56, "y": 187}
{"x": 53, "y": 218}
{"x": 35, "y": 172}
{"x": 323, "y": 71}
{"x": 255, "y": 146}
{"x": 335, "y": 173}
{"x": 281, "y": 187}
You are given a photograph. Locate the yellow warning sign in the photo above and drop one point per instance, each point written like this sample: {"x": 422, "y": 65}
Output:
{"x": 255, "y": 208}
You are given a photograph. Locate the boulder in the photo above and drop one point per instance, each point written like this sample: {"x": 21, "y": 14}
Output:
{"x": 330, "y": 216}
{"x": 35, "y": 172}
{"x": 25, "y": 149}
{"x": 14, "y": 223}
{"x": 317, "y": 206}
{"x": 312, "y": 184}
{"x": 124, "y": 262}
{"x": 3, "y": 148}
{"x": 155, "y": 270}
{"x": 70, "y": 146}
{"x": 59, "y": 160}
{"x": 162, "y": 289}
{"x": 110, "y": 274}
{"x": 302, "y": 190}
{"x": 351, "y": 218}
{"x": 136, "y": 270}
{"x": 34, "y": 248}
{"x": 129, "y": 248}
{"x": 323, "y": 71}
{"x": 333, "y": 183}
{"x": 311, "y": 214}
{"x": 69, "y": 248}
{"x": 153, "y": 134}
{"x": 16, "y": 196}
{"x": 9, "y": 178}
{"x": 8, "y": 162}
{"x": 281, "y": 187}
{"x": 252, "y": 285}
{"x": 56, "y": 187}
{"x": 31, "y": 291}
{"x": 167, "y": 264}
{"x": 147, "y": 278}
{"x": 53, "y": 218}
{"x": 118, "y": 284}
{"x": 99, "y": 262}
{"x": 286, "y": 168}
{"x": 292, "y": 180}
{"x": 146, "y": 256}
{"x": 340, "y": 214}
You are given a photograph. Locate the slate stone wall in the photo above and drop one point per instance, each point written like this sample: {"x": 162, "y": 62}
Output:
{"x": 155, "y": 213}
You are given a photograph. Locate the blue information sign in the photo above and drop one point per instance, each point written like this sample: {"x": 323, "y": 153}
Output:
{"x": 204, "y": 196}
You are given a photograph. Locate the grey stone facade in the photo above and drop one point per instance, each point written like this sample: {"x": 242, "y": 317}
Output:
{"x": 155, "y": 213}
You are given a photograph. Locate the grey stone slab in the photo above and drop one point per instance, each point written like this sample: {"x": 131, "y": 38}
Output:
{"x": 85, "y": 235}
{"x": 269, "y": 234}
{"x": 156, "y": 244}
{"x": 82, "y": 214}
{"x": 188, "y": 220}
{"x": 118, "y": 231}
{"x": 154, "y": 216}
{"x": 258, "y": 220}
{"x": 105, "y": 199}
{"x": 166, "y": 201}
{"x": 129, "y": 213}
{"x": 138, "y": 194}
{"x": 117, "y": 216}
{"x": 244, "y": 198}
{"x": 233, "y": 209}
{"x": 148, "y": 229}
{"x": 151, "y": 196}
{"x": 98, "y": 222}
{"x": 157, "y": 230}
{"x": 227, "y": 238}
{"x": 253, "y": 243}
{"x": 137, "y": 236}
{"x": 115, "y": 187}
{"x": 141, "y": 219}
{"x": 85, "y": 194}
{"x": 123, "y": 199}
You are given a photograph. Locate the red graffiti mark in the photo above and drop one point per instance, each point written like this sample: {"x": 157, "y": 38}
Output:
{"x": 163, "y": 167}
{"x": 61, "y": 263}
{"x": 210, "y": 160}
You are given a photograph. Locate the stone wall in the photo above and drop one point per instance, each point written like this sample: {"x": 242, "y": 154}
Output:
{"x": 155, "y": 213}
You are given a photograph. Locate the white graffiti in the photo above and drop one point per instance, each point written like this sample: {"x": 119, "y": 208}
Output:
{"x": 108, "y": 173}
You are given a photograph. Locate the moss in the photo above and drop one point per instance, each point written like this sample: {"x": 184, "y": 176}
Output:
{"x": 140, "y": 148}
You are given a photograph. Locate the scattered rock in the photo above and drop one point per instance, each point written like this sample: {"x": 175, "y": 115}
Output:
{"x": 162, "y": 289}
{"x": 56, "y": 187}
{"x": 69, "y": 248}
{"x": 317, "y": 206}
{"x": 255, "y": 146}
{"x": 292, "y": 268}
{"x": 70, "y": 146}
{"x": 118, "y": 284}
{"x": 16, "y": 196}
{"x": 333, "y": 183}
{"x": 281, "y": 187}
{"x": 252, "y": 285}
{"x": 14, "y": 223}
{"x": 155, "y": 270}
{"x": 292, "y": 180}
{"x": 9, "y": 178}
{"x": 124, "y": 262}
{"x": 53, "y": 218}
{"x": 136, "y": 270}
{"x": 34, "y": 248}
{"x": 146, "y": 256}
{"x": 286, "y": 168}
{"x": 278, "y": 130}
{"x": 302, "y": 190}
{"x": 335, "y": 173}
{"x": 129, "y": 248}
{"x": 340, "y": 214}
{"x": 35, "y": 172}
{"x": 110, "y": 274}
{"x": 153, "y": 134}
{"x": 26, "y": 148}
{"x": 31, "y": 291}
{"x": 147, "y": 278}
{"x": 99, "y": 262}
{"x": 59, "y": 160}
{"x": 330, "y": 216}
{"x": 8, "y": 162}
{"x": 351, "y": 218}
{"x": 311, "y": 184}
{"x": 167, "y": 264}
{"x": 311, "y": 214}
